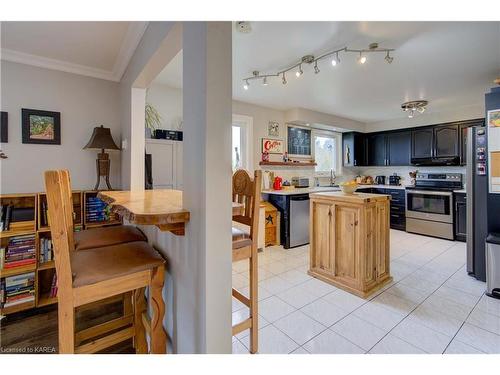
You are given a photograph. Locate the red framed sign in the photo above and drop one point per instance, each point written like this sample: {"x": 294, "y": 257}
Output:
{"x": 272, "y": 146}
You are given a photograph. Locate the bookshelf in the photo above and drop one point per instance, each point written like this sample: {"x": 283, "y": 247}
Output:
{"x": 39, "y": 227}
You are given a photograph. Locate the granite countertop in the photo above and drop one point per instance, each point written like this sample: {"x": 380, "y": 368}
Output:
{"x": 320, "y": 189}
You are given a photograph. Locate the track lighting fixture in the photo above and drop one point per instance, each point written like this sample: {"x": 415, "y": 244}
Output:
{"x": 414, "y": 106}
{"x": 310, "y": 59}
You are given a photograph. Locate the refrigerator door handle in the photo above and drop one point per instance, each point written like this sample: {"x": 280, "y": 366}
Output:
{"x": 470, "y": 199}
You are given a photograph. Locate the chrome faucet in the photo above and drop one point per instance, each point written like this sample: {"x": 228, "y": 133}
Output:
{"x": 332, "y": 177}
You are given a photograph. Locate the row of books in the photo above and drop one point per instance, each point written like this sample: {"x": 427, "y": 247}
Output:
{"x": 17, "y": 289}
{"x": 9, "y": 214}
{"x": 96, "y": 210}
{"x": 20, "y": 251}
{"x": 46, "y": 251}
{"x": 44, "y": 216}
{"x": 53, "y": 287}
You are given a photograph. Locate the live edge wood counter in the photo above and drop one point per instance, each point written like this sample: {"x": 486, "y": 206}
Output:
{"x": 162, "y": 207}
{"x": 349, "y": 240}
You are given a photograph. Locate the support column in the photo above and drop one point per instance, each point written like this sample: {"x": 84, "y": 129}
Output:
{"x": 207, "y": 103}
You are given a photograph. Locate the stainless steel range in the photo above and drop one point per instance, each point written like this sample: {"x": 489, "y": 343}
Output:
{"x": 429, "y": 204}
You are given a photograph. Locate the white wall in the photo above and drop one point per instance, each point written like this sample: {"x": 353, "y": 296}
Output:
{"x": 168, "y": 102}
{"x": 83, "y": 102}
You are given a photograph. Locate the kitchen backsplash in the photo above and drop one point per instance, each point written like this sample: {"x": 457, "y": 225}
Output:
{"x": 402, "y": 171}
{"x": 349, "y": 173}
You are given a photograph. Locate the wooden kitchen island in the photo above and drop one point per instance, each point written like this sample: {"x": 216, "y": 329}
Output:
{"x": 349, "y": 240}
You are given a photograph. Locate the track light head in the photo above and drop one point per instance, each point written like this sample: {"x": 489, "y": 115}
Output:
{"x": 388, "y": 58}
{"x": 264, "y": 81}
{"x": 316, "y": 69}
{"x": 336, "y": 60}
{"x": 361, "y": 58}
{"x": 299, "y": 72}
{"x": 246, "y": 85}
{"x": 283, "y": 80}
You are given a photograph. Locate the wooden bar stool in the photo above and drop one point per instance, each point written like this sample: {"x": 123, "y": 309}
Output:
{"x": 247, "y": 192}
{"x": 92, "y": 275}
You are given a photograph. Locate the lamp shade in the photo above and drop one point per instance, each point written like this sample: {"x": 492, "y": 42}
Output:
{"x": 101, "y": 139}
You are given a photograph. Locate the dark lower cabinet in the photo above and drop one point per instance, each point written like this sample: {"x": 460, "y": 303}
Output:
{"x": 398, "y": 205}
{"x": 460, "y": 217}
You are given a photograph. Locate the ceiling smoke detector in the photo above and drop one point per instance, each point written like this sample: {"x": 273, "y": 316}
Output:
{"x": 243, "y": 27}
{"x": 415, "y": 106}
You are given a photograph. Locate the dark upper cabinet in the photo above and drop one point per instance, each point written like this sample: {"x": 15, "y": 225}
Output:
{"x": 421, "y": 143}
{"x": 446, "y": 141}
{"x": 391, "y": 148}
{"x": 353, "y": 149}
{"x": 376, "y": 149}
{"x": 398, "y": 148}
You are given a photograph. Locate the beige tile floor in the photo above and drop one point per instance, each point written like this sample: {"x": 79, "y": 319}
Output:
{"x": 432, "y": 306}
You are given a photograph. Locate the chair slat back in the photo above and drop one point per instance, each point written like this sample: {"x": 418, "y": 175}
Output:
{"x": 60, "y": 210}
{"x": 247, "y": 192}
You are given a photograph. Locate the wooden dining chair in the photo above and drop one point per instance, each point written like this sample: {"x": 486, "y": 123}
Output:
{"x": 91, "y": 275}
{"x": 247, "y": 192}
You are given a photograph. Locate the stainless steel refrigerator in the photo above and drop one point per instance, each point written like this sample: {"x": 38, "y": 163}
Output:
{"x": 477, "y": 201}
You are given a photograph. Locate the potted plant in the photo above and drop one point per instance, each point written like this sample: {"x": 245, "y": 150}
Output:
{"x": 152, "y": 120}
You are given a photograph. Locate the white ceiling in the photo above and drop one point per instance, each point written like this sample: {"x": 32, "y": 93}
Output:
{"x": 451, "y": 64}
{"x": 98, "y": 49}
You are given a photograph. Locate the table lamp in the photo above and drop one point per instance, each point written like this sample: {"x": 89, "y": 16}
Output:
{"x": 101, "y": 139}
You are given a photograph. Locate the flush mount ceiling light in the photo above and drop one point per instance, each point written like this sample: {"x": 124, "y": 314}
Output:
{"x": 415, "y": 106}
{"x": 311, "y": 59}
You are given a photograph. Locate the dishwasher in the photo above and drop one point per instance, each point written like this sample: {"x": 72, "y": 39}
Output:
{"x": 299, "y": 220}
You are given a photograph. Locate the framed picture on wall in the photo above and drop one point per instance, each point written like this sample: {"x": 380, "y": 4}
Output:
{"x": 4, "y": 127}
{"x": 273, "y": 129}
{"x": 41, "y": 127}
{"x": 299, "y": 142}
{"x": 272, "y": 146}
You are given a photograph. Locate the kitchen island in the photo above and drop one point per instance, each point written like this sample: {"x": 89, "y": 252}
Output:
{"x": 349, "y": 240}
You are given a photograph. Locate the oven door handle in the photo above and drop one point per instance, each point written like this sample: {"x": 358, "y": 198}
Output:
{"x": 429, "y": 192}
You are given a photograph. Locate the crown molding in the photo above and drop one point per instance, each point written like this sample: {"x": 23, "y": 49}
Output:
{"x": 130, "y": 42}
{"x": 132, "y": 38}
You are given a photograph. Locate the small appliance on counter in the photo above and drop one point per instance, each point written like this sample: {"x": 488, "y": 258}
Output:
{"x": 380, "y": 180}
{"x": 278, "y": 183}
{"x": 300, "y": 182}
{"x": 395, "y": 180}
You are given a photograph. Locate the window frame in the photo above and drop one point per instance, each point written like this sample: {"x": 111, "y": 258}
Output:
{"x": 337, "y": 137}
{"x": 246, "y": 140}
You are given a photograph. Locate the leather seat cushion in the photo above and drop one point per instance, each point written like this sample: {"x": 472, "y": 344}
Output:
{"x": 107, "y": 236}
{"x": 94, "y": 265}
{"x": 240, "y": 238}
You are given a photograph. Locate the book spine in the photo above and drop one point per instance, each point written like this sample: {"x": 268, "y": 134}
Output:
{"x": 19, "y": 263}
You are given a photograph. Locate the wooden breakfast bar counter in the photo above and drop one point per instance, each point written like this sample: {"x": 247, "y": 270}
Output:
{"x": 349, "y": 240}
{"x": 162, "y": 208}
